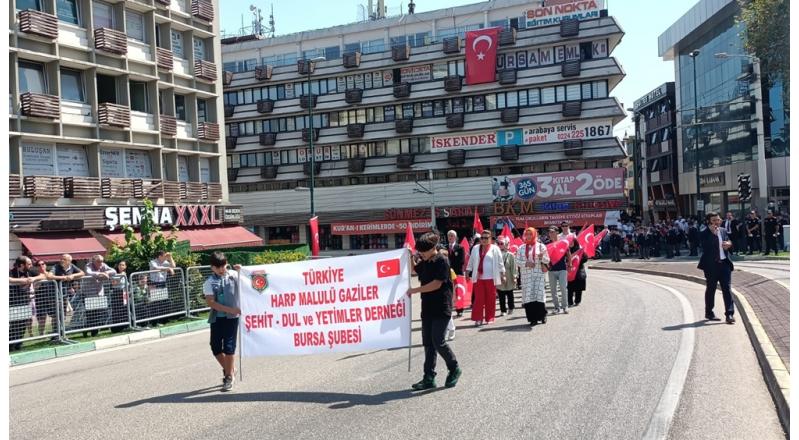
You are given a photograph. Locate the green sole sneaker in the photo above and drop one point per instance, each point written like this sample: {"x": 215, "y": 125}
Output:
{"x": 452, "y": 378}
{"x": 424, "y": 384}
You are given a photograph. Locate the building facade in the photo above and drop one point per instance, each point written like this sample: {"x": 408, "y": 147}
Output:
{"x": 111, "y": 103}
{"x": 399, "y": 136}
{"x": 655, "y": 125}
{"x": 726, "y": 136}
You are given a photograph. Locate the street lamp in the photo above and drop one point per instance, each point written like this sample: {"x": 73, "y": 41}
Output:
{"x": 693, "y": 55}
{"x": 421, "y": 189}
{"x": 640, "y": 181}
{"x": 310, "y": 128}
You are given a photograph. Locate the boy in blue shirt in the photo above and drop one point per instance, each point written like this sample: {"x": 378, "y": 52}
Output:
{"x": 220, "y": 294}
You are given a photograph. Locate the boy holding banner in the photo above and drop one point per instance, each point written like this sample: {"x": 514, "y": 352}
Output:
{"x": 436, "y": 289}
{"x": 220, "y": 294}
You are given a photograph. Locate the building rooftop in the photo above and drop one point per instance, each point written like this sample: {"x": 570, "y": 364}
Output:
{"x": 685, "y": 28}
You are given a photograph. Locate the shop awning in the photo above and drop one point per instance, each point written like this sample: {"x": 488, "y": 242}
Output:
{"x": 50, "y": 246}
{"x": 207, "y": 238}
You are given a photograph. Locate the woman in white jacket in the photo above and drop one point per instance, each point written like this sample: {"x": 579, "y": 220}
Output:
{"x": 532, "y": 259}
{"x": 487, "y": 271}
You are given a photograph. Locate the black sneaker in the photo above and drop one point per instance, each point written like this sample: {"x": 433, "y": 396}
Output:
{"x": 452, "y": 378}
{"x": 425, "y": 384}
{"x": 227, "y": 384}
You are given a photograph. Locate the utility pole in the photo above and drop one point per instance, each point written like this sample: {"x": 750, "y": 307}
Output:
{"x": 699, "y": 212}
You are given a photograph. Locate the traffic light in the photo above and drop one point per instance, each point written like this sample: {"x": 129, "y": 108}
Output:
{"x": 744, "y": 187}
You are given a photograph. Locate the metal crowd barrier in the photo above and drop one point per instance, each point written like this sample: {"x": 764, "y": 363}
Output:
{"x": 95, "y": 303}
{"x": 195, "y": 278}
{"x": 29, "y": 309}
{"x": 156, "y": 296}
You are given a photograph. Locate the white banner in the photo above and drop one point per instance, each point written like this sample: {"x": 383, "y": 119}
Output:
{"x": 329, "y": 305}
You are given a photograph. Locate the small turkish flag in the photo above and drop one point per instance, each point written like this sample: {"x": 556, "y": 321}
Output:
{"x": 477, "y": 225}
{"x": 388, "y": 268}
{"x": 586, "y": 240}
{"x": 410, "y": 242}
{"x": 481, "y": 55}
{"x": 576, "y": 257}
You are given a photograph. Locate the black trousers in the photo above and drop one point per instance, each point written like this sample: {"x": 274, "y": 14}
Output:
{"x": 575, "y": 296}
{"x": 535, "y": 311}
{"x": 434, "y": 340}
{"x": 771, "y": 243}
{"x": 719, "y": 274}
{"x": 615, "y": 253}
{"x": 505, "y": 296}
{"x": 753, "y": 243}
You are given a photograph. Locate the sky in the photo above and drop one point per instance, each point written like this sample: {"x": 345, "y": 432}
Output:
{"x": 637, "y": 52}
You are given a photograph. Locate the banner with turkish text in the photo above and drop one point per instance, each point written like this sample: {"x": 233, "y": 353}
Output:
{"x": 481, "y": 55}
{"x": 322, "y": 306}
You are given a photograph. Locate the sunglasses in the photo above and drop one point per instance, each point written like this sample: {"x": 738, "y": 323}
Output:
{"x": 485, "y": 238}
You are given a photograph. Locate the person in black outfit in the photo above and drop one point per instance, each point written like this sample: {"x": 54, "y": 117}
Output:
{"x": 718, "y": 267}
{"x": 753, "y": 233}
{"x": 21, "y": 279}
{"x": 616, "y": 243}
{"x": 643, "y": 246}
{"x": 576, "y": 286}
{"x": 731, "y": 226}
{"x": 456, "y": 255}
{"x": 673, "y": 242}
{"x": 436, "y": 289}
{"x": 693, "y": 238}
{"x": 771, "y": 229}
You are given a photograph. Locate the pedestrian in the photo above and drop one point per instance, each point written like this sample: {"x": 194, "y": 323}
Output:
{"x": 505, "y": 290}
{"x": 436, "y": 291}
{"x": 456, "y": 255}
{"x": 558, "y": 274}
{"x": 731, "y": 226}
{"x": 162, "y": 266}
{"x": 533, "y": 261}
{"x": 487, "y": 272}
{"x": 92, "y": 292}
{"x": 577, "y": 285}
{"x": 67, "y": 273}
{"x": 717, "y": 266}
{"x": 643, "y": 245}
{"x": 453, "y": 277}
{"x": 21, "y": 279}
{"x": 616, "y": 244}
{"x": 693, "y": 238}
{"x": 222, "y": 297}
{"x": 752, "y": 233}
{"x": 771, "y": 231}
{"x": 119, "y": 298}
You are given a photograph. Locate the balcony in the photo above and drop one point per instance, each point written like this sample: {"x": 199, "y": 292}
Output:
{"x": 452, "y": 45}
{"x": 44, "y": 187}
{"x": 263, "y": 73}
{"x": 305, "y": 67}
{"x": 111, "y": 41}
{"x": 570, "y": 68}
{"x": 306, "y": 134}
{"x": 507, "y": 76}
{"x": 572, "y": 109}
{"x": 401, "y": 52}
{"x": 208, "y": 131}
{"x": 173, "y": 191}
{"x": 14, "y": 186}
{"x": 402, "y": 90}
{"x": 353, "y": 96}
{"x": 269, "y": 172}
{"x": 82, "y": 187}
{"x": 307, "y": 101}
{"x": 509, "y": 153}
{"x": 453, "y": 83}
{"x": 573, "y": 147}
{"x": 152, "y": 189}
{"x": 265, "y": 106}
{"x": 355, "y": 130}
{"x": 205, "y": 70}
{"x": 227, "y": 78}
{"x": 119, "y": 188}
{"x": 267, "y": 139}
{"x": 164, "y": 58}
{"x": 456, "y": 157}
{"x": 213, "y": 192}
{"x": 194, "y": 191}
{"x": 455, "y": 120}
{"x": 169, "y": 125}
{"x": 509, "y": 115}
{"x": 356, "y": 165}
{"x": 230, "y": 142}
{"x": 351, "y": 59}
{"x": 306, "y": 168}
{"x": 38, "y": 23}
{"x": 229, "y": 110}
{"x": 40, "y": 106}
{"x": 569, "y": 27}
{"x": 403, "y": 125}
{"x": 202, "y": 9}
{"x": 507, "y": 37}
{"x": 113, "y": 115}
{"x": 405, "y": 160}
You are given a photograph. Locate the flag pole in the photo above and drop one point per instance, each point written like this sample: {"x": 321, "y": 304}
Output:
{"x": 410, "y": 314}
{"x": 241, "y": 341}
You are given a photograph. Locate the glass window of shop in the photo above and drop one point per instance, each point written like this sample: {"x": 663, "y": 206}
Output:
{"x": 328, "y": 241}
{"x": 371, "y": 241}
{"x": 282, "y": 235}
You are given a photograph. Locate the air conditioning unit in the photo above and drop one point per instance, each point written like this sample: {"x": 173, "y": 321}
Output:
{"x": 405, "y": 160}
{"x": 267, "y": 139}
{"x": 455, "y": 120}
{"x": 265, "y": 106}
{"x": 403, "y": 125}
{"x": 572, "y": 109}
{"x": 569, "y": 27}
{"x": 570, "y": 68}
{"x": 356, "y": 165}
{"x": 507, "y": 76}
{"x": 456, "y": 157}
{"x": 452, "y": 45}
{"x": 573, "y": 147}
{"x": 509, "y": 152}
{"x": 510, "y": 115}
{"x": 351, "y": 59}
{"x": 453, "y": 83}
{"x": 269, "y": 172}
{"x": 402, "y": 90}
{"x": 355, "y": 130}
{"x": 353, "y": 96}
{"x": 401, "y": 52}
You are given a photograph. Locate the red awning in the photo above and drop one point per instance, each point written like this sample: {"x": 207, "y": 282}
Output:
{"x": 207, "y": 238}
{"x": 50, "y": 246}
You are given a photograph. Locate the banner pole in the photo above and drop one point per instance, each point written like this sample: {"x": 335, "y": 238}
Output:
{"x": 241, "y": 341}
{"x": 410, "y": 312}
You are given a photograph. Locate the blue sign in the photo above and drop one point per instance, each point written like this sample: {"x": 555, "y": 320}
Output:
{"x": 554, "y": 206}
{"x": 526, "y": 189}
{"x": 510, "y": 137}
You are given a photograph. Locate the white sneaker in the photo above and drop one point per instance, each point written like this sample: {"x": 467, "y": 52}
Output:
{"x": 227, "y": 384}
{"x": 502, "y": 314}
{"x": 510, "y": 312}
{"x": 566, "y": 310}
{"x": 451, "y": 335}
{"x": 556, "y": 311}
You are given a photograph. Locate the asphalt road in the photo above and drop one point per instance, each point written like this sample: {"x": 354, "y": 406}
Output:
{"x": 777, "y": 270}
{"x": 599, "y": 372}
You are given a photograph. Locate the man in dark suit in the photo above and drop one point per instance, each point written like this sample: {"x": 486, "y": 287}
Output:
{"x": 716, "y": 264}
{"x": 730, "y": 226}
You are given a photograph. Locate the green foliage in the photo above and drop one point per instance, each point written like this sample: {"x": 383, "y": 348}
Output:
{"x": 767, "y": 36}
{"x": 138, "y": 252}
{"x": 247, "y": 256}
{"x": 272, "y": 257}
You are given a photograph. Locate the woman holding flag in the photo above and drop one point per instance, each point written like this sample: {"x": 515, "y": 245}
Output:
{"x": 577, "y": 274}
{"x": 532, "y": 259}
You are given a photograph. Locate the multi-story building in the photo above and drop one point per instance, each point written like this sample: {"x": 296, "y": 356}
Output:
{"x": 111, "y": 103}
{"x": 396, "y": 130}
{"x": 655, "y": 125}
{"x": 728, "y": 128}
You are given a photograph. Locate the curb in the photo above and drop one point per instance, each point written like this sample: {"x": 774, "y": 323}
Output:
{"x": 32, "y": 356}
{"x": 777, "y": 376}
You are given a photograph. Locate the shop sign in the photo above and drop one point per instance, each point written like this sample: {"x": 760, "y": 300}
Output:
{"x": 665, "y": 203}
{"x": 443, "y": 212}
{"x": 522, "y": 207}
{"x": 232, "y": 214}
{"x": 553, "y": 11}
{"x": 177, "y": 215}
{"x": 556, "y": 132}
{"x": 652, "y": 96}
{"x": 715, "y": 179}
{"x": 463, "y": 141}
{"x": 607, "y": 182}
{"x": 379, "y": 227}
{"x": 577, "y": 218}
{"x": 547, "y": 55}
{"x": 414, "y": 74}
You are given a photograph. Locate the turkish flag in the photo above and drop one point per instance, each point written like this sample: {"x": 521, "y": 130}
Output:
{"x": 586, "y": 240}
{"x": 466, "y": 250}
{"x": 314, "y": 223}
{"x": 506, "y": 232}
{"x": 388, "y": 268}
{"x": 557, "y": 250}
{"x": 477, "y": 225}
{"x": 515, "y": 244}
{"x": 410, "y": 242}
{"x": 575, "y": 265}
{"x": 481, "y": 55}
{"x": 598, "y": 240}
{"x": 463, "y": 292}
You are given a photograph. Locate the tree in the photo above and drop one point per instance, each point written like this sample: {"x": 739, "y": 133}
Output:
{"x": 138, "y": 252}
{"x": 767, "y": 35}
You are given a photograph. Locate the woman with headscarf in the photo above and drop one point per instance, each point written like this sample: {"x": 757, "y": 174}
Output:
{"x": 533, "y": 261}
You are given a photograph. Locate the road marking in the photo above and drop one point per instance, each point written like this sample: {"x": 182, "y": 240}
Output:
{"x": 664, "y": 412}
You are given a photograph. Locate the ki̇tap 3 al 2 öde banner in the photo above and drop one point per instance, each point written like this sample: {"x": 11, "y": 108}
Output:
{"x": 329, "y": 305}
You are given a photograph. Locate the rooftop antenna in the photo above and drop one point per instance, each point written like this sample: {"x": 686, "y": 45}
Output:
{"x": 271, "y": 20}
{"x": 257, "y": 28}
{"x": 411, "y": 7}
{"x": 381, "y": 9}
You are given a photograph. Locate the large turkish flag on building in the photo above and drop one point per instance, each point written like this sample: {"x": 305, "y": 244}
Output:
{"x": 481, "y": 55}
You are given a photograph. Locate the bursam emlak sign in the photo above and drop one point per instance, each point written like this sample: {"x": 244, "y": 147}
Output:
{"x": 322, "y": 306}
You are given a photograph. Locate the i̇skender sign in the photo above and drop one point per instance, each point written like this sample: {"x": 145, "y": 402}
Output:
{"x": 329, "y": 305}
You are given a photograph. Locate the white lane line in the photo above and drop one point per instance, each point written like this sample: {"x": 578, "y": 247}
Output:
{"x": 664, "y": 412}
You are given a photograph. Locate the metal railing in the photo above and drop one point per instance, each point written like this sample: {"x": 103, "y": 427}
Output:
{"x": 157, "y": 295}
{"x": 29, "y": 308}
{"x": 94, "y": 303}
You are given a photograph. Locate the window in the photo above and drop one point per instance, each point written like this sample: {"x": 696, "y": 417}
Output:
{"x": 29, "y": 4}
{"x": 202, "y": 110}
{"x": 548, "y": 95}
{"x": 573, "y": 92}
{"x": 177, "y": 44}
{"x": 374, "y": 46}
{"x": 103, "y": 15}
{"x": 332, "y": 53}
{"x": 586, "y": 90}
{"x": 106, "y": 89}
{"x": 31, "y": 78}
{"x": 180, "y": 107}
{"x": 560, "y": 93}
{"x": 134, "y": 25}
{"x": 352, "y": 47}
{"x": 600, "y": 89}
{"x": 72, "y": 85}
{"x": 138, "y": 96}
{"x": 67, "y": 11}
{"x": 199, "y": 49}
